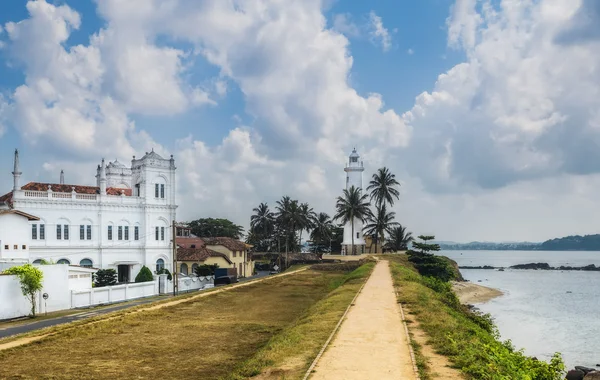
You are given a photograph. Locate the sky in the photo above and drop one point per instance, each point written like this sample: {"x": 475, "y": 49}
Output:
{"x": 487, "y": 111}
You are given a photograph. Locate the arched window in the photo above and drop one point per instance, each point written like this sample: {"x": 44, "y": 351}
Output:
{"x": 63, "y": 261}
{"x": 160, "y": 265}
{"x": 194, "y": 266}
{"x": 86, "y": 263}
{"x": 183, "y": 268}
{"x": 38, "y": 261}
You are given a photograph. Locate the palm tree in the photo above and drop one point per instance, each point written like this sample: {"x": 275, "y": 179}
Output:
{"x": 307, "y": 219}
{"x": 288, "y": 217}
{"x": 262, "y": 221}
{"x": 399, "y": 238}
{"x": 383, "y": 187}
{"x": 352, "y": 205}
{"x": 380, "y": 223}
{"x": 323, "y": 229}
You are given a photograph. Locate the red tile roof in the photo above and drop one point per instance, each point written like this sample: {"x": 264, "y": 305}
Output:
{"x": 187, "y": 242}
{"x": 58, "y": 188}
{"x": 7, "y": 198}
{"x": 198, "y": 254}
{"x": 21, "y": 213}
{"x": 227, "y": 242}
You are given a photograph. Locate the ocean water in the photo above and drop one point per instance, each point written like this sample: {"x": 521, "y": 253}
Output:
{"x": 542, "y": 311}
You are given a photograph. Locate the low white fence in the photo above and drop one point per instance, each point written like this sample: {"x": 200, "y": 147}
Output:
{"x": 188, "y": 284}
{"x": 111, "y": 294}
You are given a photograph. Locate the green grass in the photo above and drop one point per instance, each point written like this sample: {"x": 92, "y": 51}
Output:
{"x": 289, "y": 354}
{"x": 469, "y": 340}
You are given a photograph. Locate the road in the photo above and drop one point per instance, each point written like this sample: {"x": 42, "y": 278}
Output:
{"x": 91, "y": 312}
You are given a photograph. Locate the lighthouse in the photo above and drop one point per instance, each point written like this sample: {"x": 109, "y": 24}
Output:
{"x": 354, "y": 169}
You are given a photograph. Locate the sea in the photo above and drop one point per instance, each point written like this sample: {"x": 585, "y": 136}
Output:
{"x": 542, "y": 312}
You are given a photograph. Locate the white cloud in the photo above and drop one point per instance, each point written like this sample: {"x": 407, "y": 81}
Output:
{"x": 343, "y": 23}
{"x": 410, "y": 52}
{"x": 378, "y": 32}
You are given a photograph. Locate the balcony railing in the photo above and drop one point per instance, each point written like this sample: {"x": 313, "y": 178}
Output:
{"x": 28, "y": 194}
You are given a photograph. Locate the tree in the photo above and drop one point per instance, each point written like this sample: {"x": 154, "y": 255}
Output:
{"x": 166, "y": 271}
{"x": 383, "y": 187}
{"x": 145, "y": 275}
{"x": 105, "y": 277}
{"x": 289, "y": 218}
{"x": 262, "y": 224}
{"x": 30, "y": 278}
{"x": 380, "y": 223}
{"x": 307, "y": 219}
{"x": 399, "y": 238}
{"x": 210, "y": 227}
{"x": 322, "y": 232}
{"x": 426, "y": 262}
{"x": 352, "y": 205}
{"x": 205, "y": 269}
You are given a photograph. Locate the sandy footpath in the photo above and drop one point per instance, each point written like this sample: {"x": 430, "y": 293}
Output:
{"x": 372, "y": 342}
{"x": 470, "y": 293}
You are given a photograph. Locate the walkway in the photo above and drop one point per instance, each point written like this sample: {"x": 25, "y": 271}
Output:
{"x": 371, "y": 343}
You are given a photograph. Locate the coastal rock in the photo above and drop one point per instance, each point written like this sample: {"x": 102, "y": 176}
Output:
{"x": 592, "y": 376}
{"x": 575, "y": 374}
{"x": 585, "y": 370}
{"x": 543, "y": 266}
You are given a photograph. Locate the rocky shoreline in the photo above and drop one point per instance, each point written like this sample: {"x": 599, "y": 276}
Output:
{"x": 583, "y": 373}
{"x": 536, "y": 266}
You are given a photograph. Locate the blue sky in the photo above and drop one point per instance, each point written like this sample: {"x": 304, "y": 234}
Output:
{"x": 463, "y": 100}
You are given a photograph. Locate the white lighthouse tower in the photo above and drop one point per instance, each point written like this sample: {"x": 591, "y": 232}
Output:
{"x": 354, "y": 170}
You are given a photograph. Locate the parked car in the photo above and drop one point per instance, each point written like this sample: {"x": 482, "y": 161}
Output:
{"x": 225, "y": 276}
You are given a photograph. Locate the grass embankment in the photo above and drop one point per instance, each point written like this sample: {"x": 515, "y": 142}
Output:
{"x": 469, "y": 340}
{"x": 202, "y": 338}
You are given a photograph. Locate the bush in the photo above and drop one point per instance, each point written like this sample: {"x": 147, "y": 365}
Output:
{"x": 105, "y": 277}
{"x": 145, "y": 275}
{"x": 427, "y": 263}
{"x": 165, "y": 271}
{"x": 31, "y": 281}
{"x": 205, "y": 270}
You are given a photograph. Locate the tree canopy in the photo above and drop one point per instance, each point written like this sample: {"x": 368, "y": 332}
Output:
{"x": 210, "y": 227}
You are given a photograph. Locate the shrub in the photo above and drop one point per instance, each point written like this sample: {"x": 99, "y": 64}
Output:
{"x": 206, "y": 269}
{"x": 427, "y": 263}
{"x": 105, "y": 277}
{"x": 145, "y": 275}
{"x": 31, "y": 281}
{"x": 165, "y": 271}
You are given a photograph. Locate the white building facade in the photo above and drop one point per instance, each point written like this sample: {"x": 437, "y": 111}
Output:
{"x": 122, "y": 223}
{"x": 354, "y": 170}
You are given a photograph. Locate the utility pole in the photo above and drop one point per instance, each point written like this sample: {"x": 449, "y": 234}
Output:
{"x": 175, "y": 276}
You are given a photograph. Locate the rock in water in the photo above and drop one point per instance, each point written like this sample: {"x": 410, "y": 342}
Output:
{"x": 592, "y": 376}
{"x": 585, "y": 370}
{"x": 575, "y": 374}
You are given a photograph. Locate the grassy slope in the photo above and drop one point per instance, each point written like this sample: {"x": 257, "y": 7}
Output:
{"x": 468, "y": 340}
{"x": 204, "y": 338}
{"x": 289, "y": 354}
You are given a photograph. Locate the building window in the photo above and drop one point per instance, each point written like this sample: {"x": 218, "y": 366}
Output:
{"x": 193, "y": 246}
{"x": 15, "y": 247}
{"x": 81, "y": 232}
{"x": 6, "y": 247}
{"x": 89, "y": 232}
{"x": 120, "y": 232}
{"x": 357, "y": 235}
{"x": 136, "y": 233}
{"x": 156, "y": 190}
{"x": 109, "y": 232}
{"x": 162, "y": 233}
{"x": 38, "y": 261}
{"x": 156, "y": 233}
{"x": 24, "y": 246}
{"x": 194, "y": 267}
{"x": 87, "y": 263}
{"x": 234, "y": 253}
{"x": 126, "y": 232}
{"x": 183, "y": 269}
{"x": 63, "y": 261}
{"x": 160, "y": 265}
{"x": 66, "y": 232}
{"x": 42, "y": 231}
{"x": 162, "y": 191}
{"x": 34, "y": 231}
{"x": 58, "y": 231}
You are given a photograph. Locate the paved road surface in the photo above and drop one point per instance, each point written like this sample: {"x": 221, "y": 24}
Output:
{"x": 371, "y": 342}
{"x": 87, "y": 313}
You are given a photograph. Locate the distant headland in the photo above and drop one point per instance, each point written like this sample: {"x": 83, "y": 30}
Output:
{"x": 568, "y": 243}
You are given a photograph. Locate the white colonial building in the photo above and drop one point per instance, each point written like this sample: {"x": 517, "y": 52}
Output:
{"x": 122, "y": 223}
{"x": 354, "y": 170}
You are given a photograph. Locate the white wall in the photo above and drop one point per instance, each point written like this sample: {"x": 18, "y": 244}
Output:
{"x": 14, "y": 230}
{"x": 110, "y": 294}
{"x": 12, "y": 302}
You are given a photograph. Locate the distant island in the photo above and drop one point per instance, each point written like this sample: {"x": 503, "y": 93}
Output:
{"x": 569, "y": 243}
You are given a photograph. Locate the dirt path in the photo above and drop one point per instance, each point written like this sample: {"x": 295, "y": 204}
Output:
{"x": 371, "y": 343}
